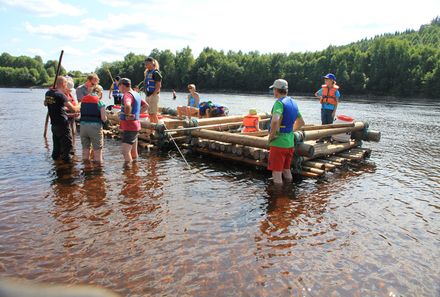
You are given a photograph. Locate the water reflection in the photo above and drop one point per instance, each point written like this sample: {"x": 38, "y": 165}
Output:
{"x": 141, "y": 192}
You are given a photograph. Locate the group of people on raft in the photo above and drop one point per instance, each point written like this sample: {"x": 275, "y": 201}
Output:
{"x": 63, "y": 108}
{"x": 195, "y": 108}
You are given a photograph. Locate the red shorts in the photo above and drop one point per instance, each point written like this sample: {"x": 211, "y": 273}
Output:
{"x": 279, "y": 158}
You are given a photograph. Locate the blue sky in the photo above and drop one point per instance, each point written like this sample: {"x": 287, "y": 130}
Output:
{"x": 91, "y": 32}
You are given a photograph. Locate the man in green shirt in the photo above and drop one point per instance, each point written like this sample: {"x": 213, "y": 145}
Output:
{"x": 286, "y": 118}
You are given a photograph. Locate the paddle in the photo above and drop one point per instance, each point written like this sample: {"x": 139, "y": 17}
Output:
{"x": 53, "y": 87}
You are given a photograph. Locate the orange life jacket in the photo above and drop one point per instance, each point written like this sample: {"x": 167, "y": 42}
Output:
{"x": 329, "y": 94}
{"x": 250, "y": 123}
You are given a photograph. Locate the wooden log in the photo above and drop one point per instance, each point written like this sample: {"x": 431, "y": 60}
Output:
{"x": 257, "y": 133}
{"x": 314, "y": 164}
{"x": 313, "y": 169}
{"x": 303, "y": 149}
{"x": 328, "y": 126}
{"x": 370, "y": 135}
{"x": 309, "y": 174}
{"x": 338, "y": 164}
{"x": 338, "y": 159}
{"x": 230, "y": 157}
{"x": 317, "y": 134}
{"x": 351, "y": 157}
{"x": 194, "y": 141}
{"x": 326, "y": 149}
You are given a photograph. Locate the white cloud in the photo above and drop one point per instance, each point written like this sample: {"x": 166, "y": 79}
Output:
{"x": 61, "y": 31}
{"x": 45, "y": 8}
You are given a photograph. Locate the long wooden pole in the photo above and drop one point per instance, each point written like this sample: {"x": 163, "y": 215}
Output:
{"x": 46, "y": 123}
{"x": 111, "y": 77}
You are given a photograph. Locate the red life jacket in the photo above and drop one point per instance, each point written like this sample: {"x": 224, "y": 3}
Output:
{"x": 74, "y": 103}
{"x": 250, "y": 123}
{"x": 329, "y": 94}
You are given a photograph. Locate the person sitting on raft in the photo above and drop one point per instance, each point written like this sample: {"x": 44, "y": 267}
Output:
{"x": 251, "y": 121}
{"x": 209, "y": 110}
{"x": 193, "y": 102}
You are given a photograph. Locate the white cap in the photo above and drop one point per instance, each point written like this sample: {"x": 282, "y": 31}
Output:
{"x": 280, "y": 84}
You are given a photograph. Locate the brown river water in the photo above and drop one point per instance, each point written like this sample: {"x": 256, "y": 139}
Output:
{"x": 217, "y": 229}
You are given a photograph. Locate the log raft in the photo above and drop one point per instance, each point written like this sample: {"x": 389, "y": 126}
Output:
{"x": 220, "y": 138}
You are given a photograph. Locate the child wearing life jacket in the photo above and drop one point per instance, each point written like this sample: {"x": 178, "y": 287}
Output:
{"x": 251, "y": 121}
{"x": 328, "y": 97}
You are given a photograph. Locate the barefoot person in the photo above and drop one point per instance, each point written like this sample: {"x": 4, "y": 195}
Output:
{"x": 56, "y": 101}
{"x": 286, "y": 118}
{"x": 153, "y": 83}
{"x": 192, "y": 108}
{"x": 92, "y": 117}
{"x": 131, "y": 108}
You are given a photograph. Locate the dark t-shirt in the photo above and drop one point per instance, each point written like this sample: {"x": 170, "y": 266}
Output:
{"x": 55, "y": 101}
{"x": 157, "y": 76}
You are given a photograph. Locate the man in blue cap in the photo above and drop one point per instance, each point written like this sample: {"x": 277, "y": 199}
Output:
{"x": 328, "y": 97}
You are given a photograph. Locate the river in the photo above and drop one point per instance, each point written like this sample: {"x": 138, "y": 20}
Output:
{"x": 218, "y": 229}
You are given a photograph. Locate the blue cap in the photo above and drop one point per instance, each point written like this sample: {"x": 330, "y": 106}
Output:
{"x": 331, "y": 76}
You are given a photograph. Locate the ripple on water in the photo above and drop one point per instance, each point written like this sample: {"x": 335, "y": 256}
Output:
{"x": 160, "y": 228}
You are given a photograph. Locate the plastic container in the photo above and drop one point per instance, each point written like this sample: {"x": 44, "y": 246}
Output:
{"x": 343, "y": 137}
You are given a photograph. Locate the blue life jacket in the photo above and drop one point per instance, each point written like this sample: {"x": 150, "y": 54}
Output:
{"x": 290, "y": 113}
{"x": 135, "y": 106}
{"x": 89, "y": 109}
{"x": 192, "y": 101}
{"x": 150, "y": 84}
{"x": 116, "y": 91}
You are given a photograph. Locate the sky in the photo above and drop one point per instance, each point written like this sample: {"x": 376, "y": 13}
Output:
{"x": 91, "y": 32}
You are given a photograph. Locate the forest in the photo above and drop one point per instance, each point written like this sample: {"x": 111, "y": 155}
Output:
{"x": 400, "y": 64}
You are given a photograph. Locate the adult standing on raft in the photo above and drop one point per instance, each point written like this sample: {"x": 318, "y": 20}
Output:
{"x": 56, "y": 101}
{"x": 328, "y": 97}
{"x": 153, "y": 83}
{"x": 115, "y": 92}
{"x": 286, "y": 118}
{"x": 131, "y": 108}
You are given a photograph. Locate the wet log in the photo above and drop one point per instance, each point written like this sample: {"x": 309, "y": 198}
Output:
{"x": 314, "y": 164}
{"x": 226, "y": 156}
{"x": 303, "y": 149}
{"x": 314, "y": 170}
{"x": 326, "y": 149}
{"x": 337, "y": 164}
{"x": 370, "y": 135}
{"x": 309, "y": 174}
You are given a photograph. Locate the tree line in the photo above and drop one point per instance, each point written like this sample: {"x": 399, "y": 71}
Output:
{"x": 401, "y": 64}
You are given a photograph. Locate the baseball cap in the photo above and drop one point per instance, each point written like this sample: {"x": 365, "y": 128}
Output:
{"x": 125, "y": 81}
{"x": 330, "y": 76}
{"x": 280, "y": 84}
